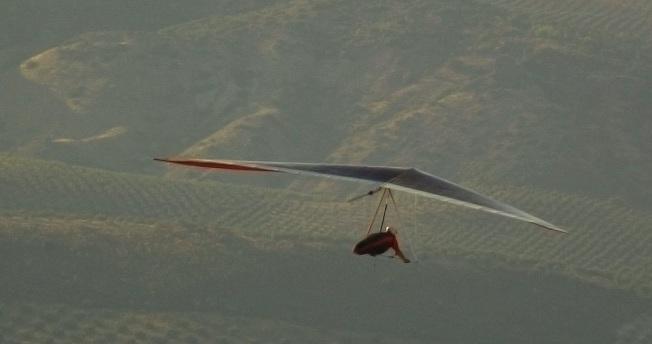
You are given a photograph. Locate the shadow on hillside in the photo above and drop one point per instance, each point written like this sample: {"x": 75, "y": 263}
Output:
{"x": 435, "y": 299}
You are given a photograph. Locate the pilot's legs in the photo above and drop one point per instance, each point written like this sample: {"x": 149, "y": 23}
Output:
{"x": 399, "y": 253}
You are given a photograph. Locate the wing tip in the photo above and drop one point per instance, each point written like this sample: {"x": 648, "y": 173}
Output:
{"x": 232, "y": 165}
{"x": 551, "y": 227}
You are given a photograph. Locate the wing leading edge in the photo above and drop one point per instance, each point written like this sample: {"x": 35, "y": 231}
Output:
{"x": 409, "y": 180}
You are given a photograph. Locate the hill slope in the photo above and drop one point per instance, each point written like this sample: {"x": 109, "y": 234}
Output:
{"x": 543, "y": 104}
{"x": 120, "y": 280}
{"x": 454, "y": 87}
{"x": 606, "y": 245}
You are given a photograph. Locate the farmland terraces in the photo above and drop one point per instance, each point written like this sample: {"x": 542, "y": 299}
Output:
{"x": 29, "y": 323}
{"x": 72, "y": 279}
{"x": 606, "y": 245}
{"x": 541, "y": 104}
{"x": 623, "y": 19}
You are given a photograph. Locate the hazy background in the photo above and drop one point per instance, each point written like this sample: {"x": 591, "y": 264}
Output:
{"x": 542, "y": 104}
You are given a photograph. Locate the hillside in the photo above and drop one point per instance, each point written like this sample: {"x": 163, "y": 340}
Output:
{"x": 627, "y": 21}
{"x": 124, "y": 280}
{"x": 541, "y": 104}
{"x": 57, "y": 322}
{"x": 451, "y": 87}
{"x": 607, "y": 244}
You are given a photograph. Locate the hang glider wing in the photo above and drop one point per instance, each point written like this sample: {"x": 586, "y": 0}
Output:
{"x": 409, "y": 180}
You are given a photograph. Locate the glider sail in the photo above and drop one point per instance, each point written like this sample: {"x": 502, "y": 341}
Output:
{"x": 409, "y": 180}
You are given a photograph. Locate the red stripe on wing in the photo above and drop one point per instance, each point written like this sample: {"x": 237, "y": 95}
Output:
{"x": 224, "y": 165}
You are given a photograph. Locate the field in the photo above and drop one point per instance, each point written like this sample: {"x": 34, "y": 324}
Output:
{"x": 625, "y": 20}
{"x": 606, "y": 244}
{"x": 541, "y": 104}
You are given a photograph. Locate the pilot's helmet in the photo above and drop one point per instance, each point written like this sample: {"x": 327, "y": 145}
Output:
{"x": 389, "y": 229}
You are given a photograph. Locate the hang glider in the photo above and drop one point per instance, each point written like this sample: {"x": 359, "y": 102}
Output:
{"x": 405, "y": 179}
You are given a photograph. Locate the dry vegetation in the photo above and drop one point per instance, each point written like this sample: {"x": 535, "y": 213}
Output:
{"x": 543, "y": 104}
{"x": 607, "y": 244}
{"x": 59, "y": 323}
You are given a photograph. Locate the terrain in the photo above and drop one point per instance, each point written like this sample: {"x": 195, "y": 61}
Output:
{"x": 540, "y": 104}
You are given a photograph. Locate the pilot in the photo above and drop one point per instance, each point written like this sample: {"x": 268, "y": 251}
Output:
{"x": 378, "y": 243}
